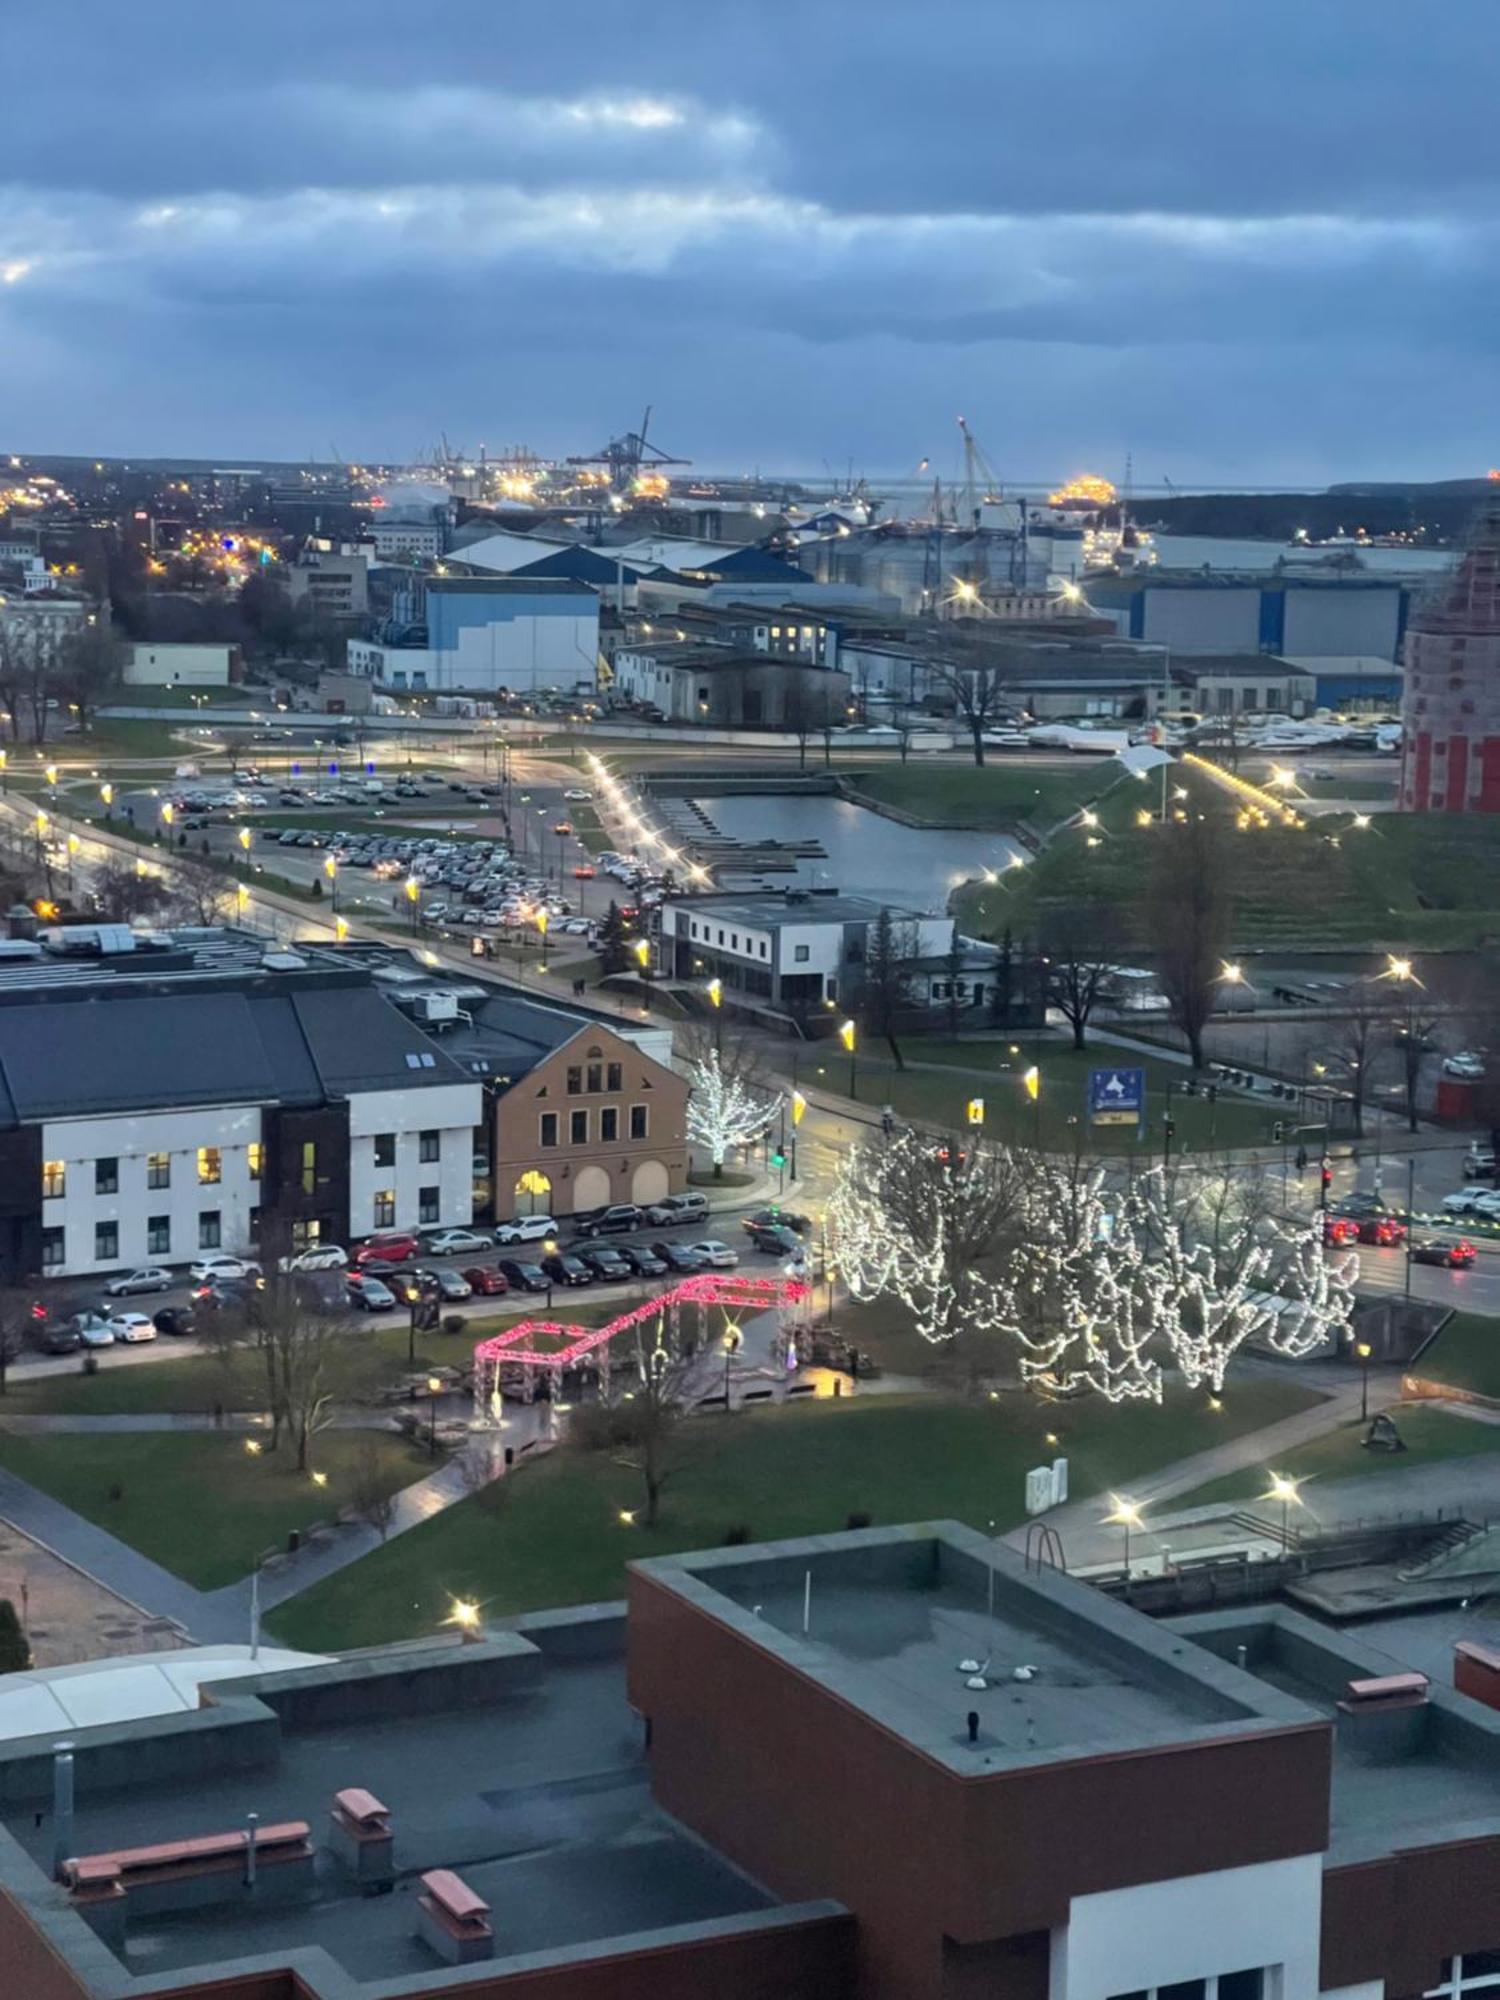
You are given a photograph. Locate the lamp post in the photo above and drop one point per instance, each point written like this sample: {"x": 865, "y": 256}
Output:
{"x": 434, "y": 1390}
{"x": 331, "y": 870}
{"x": 732, "y": 1338}
{"x": 715, "y": 992}
{"x": 847, "y": 1035}
{"x": 549, "y": 1249}
{"x": 413, "y": 891}
{"x": 1286, "y": 1491}
{"x": 1125, "y": 1514}
{"x": 1364, "y": 1350}
{"x": 541, "y": 923}
{"x": 1031, "y": 1083}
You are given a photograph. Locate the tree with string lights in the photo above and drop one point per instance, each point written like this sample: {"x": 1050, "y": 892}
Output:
{"x": 726, "y": 1107}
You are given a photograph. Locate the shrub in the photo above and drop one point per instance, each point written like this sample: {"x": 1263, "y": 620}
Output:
{"x": 15, "y": 1654}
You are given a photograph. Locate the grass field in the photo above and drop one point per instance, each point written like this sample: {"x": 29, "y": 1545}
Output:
{"x": 1429, "y": 1434}
{"x": 554, "y": 1535}
{"x": 992, "y": 798}
{"x": 994, "y": 1069}
{"x": 1465, "y": 1355}
{"x": 197, "y": 1502}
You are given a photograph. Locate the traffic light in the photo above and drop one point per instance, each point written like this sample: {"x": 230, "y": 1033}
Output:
{"x": 778, "y": 1160}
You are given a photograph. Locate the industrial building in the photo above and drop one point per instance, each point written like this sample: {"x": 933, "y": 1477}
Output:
{"x": 1450, "y": 746}
{"x": 721, "y": 688}
{"x": 1297, "y": 616}
{"x": 150, "y": 663}
{"x": 481, "y": 634}
{"x": 899, "y": 1763}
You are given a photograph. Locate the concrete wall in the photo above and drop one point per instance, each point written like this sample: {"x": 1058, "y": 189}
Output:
{"x": 151, "y": 665}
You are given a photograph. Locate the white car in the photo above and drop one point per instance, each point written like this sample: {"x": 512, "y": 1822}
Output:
{"x": 526, "y": 1229}
{"x": 1473, "y": 1201}
{"x": 131, "y": 1327}
{"x": 718, "y": 1255}
{"x": 320, "y": 1257}
{"x": 577, "y": 797}
{"x": 455, "y": 1243}
{"x": 149, "y": 1278}
{"x": 207, "y": 1270}
{"x": 1466, "y": 1064}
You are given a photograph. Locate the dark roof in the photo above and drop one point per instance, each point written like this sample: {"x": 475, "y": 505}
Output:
{"x": 504, "y": 586}
{"x": 585, "y": 565}
{"x": 1243, "y": 666}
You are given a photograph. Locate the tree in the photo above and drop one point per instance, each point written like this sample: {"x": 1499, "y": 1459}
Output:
{"x": 642, "y": 1426}
{"x": 1414, "y": 1036}
{"x": 1079, "y": 945}
{"x": 1360, "y": 1041}
{"x": 979, "y": 695}
{"x": 798, "y": 715}
{"x": 371, "y": 1499}
{"x": 15, "y": 1653}
{"x": 953, "y": 966}
{"x": 1189, "y": 909}
{"x": 90, "y": 668}
{"x": 201, "y": 893}
{"x": 727, "y": 1107}
{"x": 890, "y": 977}
{"x": 121, "y": 892}
{"x": 614, "y": 950}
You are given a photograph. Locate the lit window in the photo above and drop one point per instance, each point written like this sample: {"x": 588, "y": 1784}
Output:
{"x": 255, "y": 1159}
{"x": 309, "y": 1167}
{"x": 210, "y": 1166}
{"x": 54, "y": 1179}
{"x": 158, "y": 1170}
{"x": 385, "y": 1208}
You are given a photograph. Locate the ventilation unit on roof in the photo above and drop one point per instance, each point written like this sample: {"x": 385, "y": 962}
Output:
{"x": 283, "y": 961}
{"x": 436, "y": 1006}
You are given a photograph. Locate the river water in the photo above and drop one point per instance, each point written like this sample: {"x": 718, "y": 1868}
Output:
{"x": 867, "y": 855}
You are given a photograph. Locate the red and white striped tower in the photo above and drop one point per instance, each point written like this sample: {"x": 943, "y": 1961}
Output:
{"x": 1450, "y": 738}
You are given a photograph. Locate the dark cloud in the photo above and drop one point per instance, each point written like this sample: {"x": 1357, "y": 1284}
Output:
{"x": 1250, "y": 242}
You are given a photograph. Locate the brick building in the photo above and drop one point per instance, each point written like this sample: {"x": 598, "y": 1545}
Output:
{"x": 1450, "y": 749}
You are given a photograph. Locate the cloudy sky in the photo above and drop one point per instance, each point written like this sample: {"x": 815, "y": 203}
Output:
{"x": 1253, "y": 242}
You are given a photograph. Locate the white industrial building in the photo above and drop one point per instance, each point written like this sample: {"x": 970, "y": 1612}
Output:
{"x": 152, "y": 664}
{"x": 478, "y": 635}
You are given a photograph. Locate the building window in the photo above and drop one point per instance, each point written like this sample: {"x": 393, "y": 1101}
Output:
{"x": 548, "y": 1133}
{"x": 158, "y": 1235}
{"x": 106, "y": 1242}
{"x": 578, "y": 1128}
{"x": 54, "y": 1249}
{"x": 54, "y": 1179}
{"x": 429, "y": 1204}
{"x": 255, "y": 1159}
{"x": 639, "y": 1121}
{"x": 575, "y": 1080}
{"x": 614, "y": 1077}
{"x": 309, "y": 1167}
{"x": 158, "y": 1170}
{"x": 609, "y": 1125}
{"x": 385, "y": 1149}
{"x": 210, "y": 1166}
{"x": 209, "y": 1230}
{"x": 801, "y": 953}
{"x": 106, "y": 1177}
{"x": 1475, "y": 1972}
{"x": 429, "y": 1147}
{"x": 385, "y": 1208}
{"x": 306, "y": 1231}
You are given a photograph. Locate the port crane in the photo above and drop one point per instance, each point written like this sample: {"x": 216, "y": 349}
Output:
{"x": 629, "y": 458}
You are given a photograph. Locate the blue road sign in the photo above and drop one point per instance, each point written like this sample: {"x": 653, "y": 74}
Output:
{"x": 1117, "y": 1096}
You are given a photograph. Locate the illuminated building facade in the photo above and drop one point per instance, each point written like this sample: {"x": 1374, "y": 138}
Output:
{"x": 1450, "y": 758}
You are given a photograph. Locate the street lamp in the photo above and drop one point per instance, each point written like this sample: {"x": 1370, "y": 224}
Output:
{"x": 732, "y": 1339}
{"x": 715, "y": 992}
{"x": 643, "y": 955}
{"x": 540, "y": 920}
{"x": 331, "y": 870}
{"x": 1126, "y": 1514}
{"x": 465, "y": 1615}
{"x": 847, "y": 1037}
{"x": 1031, "y": 1083}
{"x": 413, "y": 891}
{"x": 1286, "y": 1490}
{"x": 340, "y": 929}
{"x": 245, "y": 838}
{"x": 107, "y": 794}
{"x": 1364, "y": 1350}
{"x": 434, "y": 1390}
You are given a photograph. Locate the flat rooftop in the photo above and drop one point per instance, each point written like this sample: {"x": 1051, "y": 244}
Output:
{"x": 534, "y": 1790}
{"x": 1433, "y": 1778}
{"x": 899, "y": 1622}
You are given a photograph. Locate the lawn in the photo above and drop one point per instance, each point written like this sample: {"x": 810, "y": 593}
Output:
{"x": 554, "y": 1534}
{"x": 197, "y": 1502}
{"x": 993, "y": 1070}
{"x": 1430, "y": 1435}
{"x": 1463, "y": 1354}
{"x": 993, "y": 798}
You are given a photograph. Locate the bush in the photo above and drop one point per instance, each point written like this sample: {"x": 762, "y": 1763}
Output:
{"x": 454, "y": 1323}
{"x": 15, "y": 1654}
{"x": 737, "y": 1536}
{"x": 859, "y": 1519}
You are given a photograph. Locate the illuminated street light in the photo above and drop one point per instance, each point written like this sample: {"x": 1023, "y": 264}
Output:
{"x": 1286, "y": 1490}
{"x": 245, "y": 838}
{"x": 1124, "y": 1514}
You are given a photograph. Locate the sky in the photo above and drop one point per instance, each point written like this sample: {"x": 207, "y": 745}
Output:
{"x": 1251, "y": 244}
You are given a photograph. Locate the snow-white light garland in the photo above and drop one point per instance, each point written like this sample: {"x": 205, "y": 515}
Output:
{"x": 723, "y": 1111}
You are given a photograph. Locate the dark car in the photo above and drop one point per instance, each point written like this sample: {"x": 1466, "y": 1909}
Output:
{"x": 1358, "y": 1205}
{"x": 486, "y": 1283}
{"x": 58, "y": 1338}
{"x": 1385, "y": 1231}
{"x": 447, "y": 1284}
{"x": 645, "y": 1263}
{"x": 606, "y": 1263}
{"x": 619, "y": 1220}
{"x": 772, "y": 1240}
{"x": 381, "y": 1267}
{"x": 777, "y": 1218}
{"x": 677, "y": 1256}
{"x": 522, "y": 1277}
{"x": 224, "y": 1295}
{"x": 174, "y": 1320}
{"x": 1449, "y": 1256}
{"x": 564, "y": 1269}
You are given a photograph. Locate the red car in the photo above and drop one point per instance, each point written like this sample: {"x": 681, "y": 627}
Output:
{"x": 585, "y": 872}
{"x": 399, "y": 1247}
{"x": 484, "y": 1278}
{"x": 1339, "y": 1230}
{"x": 562, "y": 826}
{"x": 1385, "y": 1231}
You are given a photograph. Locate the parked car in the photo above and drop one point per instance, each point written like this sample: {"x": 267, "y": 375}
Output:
{"x": 146, "y": 1278}
{"x": 577, "y": 796}
{"x": 456, "y": 1243}
{"x": 777, "y": 1218}
{"x": 367, "y": 1294}
{"x": 208, "y": 1270}
{"x": 675, "y": 1208}
{"x": 716, "y": 1254}
{"x": 132, "y": 1327}
{"x": 678, "y": 1257}
{"x": 487, "y": 1282}
{"x": 1449, "y": 1256}
{"x": 64, "y": 1338}
{"x": 94, "y": 1331}
{"x": 393, "y": 1247}
{"x": 645, "y": 1263}
{"x": 1473, "y": 1201}
{"x": 606, "y": 1263}
{"x": 565, "y": 1269}
{"x": 317, "y": 1257}
{"x": 1340, "y": 1230}
{"x": 448, "y": 1283}
{"x": 1479, "y": 1162}
{"x": 522, "y": 1276}
{"x": 618, "y": 1220}
{"x": 526, "y": 1229}
{"x": 1358, "y": 1204}
{"x": 175, "y": 1320}
{"x": 1467, "y": 1064}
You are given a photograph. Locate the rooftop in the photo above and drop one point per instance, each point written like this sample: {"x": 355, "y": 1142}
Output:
{"x": 772, "y": 908}
{"x": 901, "y": 1623}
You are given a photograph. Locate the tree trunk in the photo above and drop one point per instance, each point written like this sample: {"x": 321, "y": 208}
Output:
{"x": 1080, "y": 1036}
{"x": 653, "y": 1499}
{"x": 976, "y": 730}
{"x": 895, "y": 1048}
{"x": 1195, "y": 1048}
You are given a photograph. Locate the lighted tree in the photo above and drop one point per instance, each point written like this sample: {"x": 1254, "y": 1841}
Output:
{"x": 726, "y": 1107}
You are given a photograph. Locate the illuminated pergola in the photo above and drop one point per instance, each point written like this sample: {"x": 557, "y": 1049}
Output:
{"x": 549, "y": 1347}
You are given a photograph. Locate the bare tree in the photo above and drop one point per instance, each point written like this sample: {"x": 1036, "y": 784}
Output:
{"x": 891, "y": 949}
{"x": 121, "y": 892}
{"x": 643, "y": 1426}
{"x": 1414, "y": 1036}
{"x": 16, "y": 1321}
{"x": 798, "y": 716}
{"x": 1361, "y": 1041}
{"x": 201, "y": 892}
{"x": 16, "y": 642}
{"x": 952, "y": 973}
{"x": 371, "y": 1499}
{"x": 90, "y": 666}
{"x": 979, "y": 696}
{"x": 1079, "y": 944}
{"x": 1189, "y": 910}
